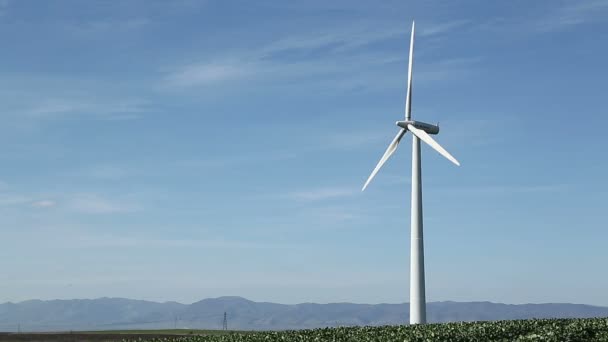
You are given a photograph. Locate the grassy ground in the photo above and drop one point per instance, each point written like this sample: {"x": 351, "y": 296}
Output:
{"x": 159, "y": 332}
{"x": 547, "y": 330}
{"x": 106, "y": 335}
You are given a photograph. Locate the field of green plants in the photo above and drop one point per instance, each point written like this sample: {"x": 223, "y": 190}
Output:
{"x": 559, "y": 330}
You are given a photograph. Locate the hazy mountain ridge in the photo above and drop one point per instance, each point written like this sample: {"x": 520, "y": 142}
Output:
{"x": 243, "y": 314}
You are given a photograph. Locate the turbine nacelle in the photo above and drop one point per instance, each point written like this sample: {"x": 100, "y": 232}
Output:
{"x": 429, "y": 128}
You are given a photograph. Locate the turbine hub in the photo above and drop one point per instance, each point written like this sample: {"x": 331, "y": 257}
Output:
{"x": 429, "y": 128}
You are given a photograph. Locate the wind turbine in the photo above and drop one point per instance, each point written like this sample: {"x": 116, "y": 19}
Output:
{"x": 420, "y": 131}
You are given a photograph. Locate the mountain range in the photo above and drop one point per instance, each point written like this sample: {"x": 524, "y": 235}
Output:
{"x": 243, "y": 314}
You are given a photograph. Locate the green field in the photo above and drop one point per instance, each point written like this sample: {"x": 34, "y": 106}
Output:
{"x": 550, "y": 330}
{"x": 109, "y": 335}
{"x": 558, "y": 330}
{"x": 159, "y": 332}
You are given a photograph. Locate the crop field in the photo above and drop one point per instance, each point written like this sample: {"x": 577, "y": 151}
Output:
{"x": 159, "y": 332}
{"x": 108, "y": 335}
{"x": 559, "y": 330}
{"x": 590, "y": 329}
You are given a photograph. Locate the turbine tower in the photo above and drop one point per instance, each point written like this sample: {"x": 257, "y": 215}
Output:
{"x": 420, "y": 131}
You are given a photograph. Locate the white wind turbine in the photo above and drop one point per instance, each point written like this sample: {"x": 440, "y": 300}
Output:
{"x": 420, "y": 131}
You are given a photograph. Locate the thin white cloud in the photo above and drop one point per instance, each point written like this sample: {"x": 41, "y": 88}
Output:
{"x": 440, "y": 29}
{"x": 207, "y": 73}
{"x": 340, "y": 40}
{"x": 341, "y": 55}
{"x": 573, "y": 13}
{"x": 335, "y": 71}
{"x": 31, "y": 98}
{"x": 96, "y": 204}
{"x": 322, "y": 193}
{"x": 554, "y": 17}
{"x": 84, "y": 203}
{"x": 110, "y": 26}
{"x": 233, "y": 160}
{"x": 10, "y": 199}
{"x": 331, "y": 215}
{"x": 349, "y": 139}
{"x": 108, "y": 109}
{"x": 74, "y": 236}
{"x": 499, "y": 189}
{"x": 473, "y": 132}
{"x": 147, "y": 242}
{"x": 44, "y": 204}
{"x": 107, "y": 172}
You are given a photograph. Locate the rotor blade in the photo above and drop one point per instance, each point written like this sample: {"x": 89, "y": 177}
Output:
{"x": 408, "y": 99}
{"x": 387, "y": 154}
{"x": 424, "y": 136}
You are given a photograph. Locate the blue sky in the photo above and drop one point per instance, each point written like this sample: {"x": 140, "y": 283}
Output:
{"x": 190, "y": 149}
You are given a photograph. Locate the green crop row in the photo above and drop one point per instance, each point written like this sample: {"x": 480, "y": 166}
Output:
{"x": 559, "y": 330}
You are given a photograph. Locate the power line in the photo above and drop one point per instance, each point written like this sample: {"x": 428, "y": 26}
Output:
{"x": 225, "y": 324}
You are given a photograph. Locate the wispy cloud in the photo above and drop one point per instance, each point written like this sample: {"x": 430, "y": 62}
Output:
{"x": 82, "y": 203}
{"x": 106, "y": 172}
{"x": 500, "y": 189}
{"x": 233, "y": 160}
{"x": 61, "y": 107}
{"x": 553, "y": 17}
{"x": 96, "y": 204}
{"x": 333, "y": 214}
{"x": 337, "y": 40}
{"x": 573, "y": 13}
{"x": 319, "y": 194}
{"x": 208, "y": 73}
{"x": 439, "y": 29}
{"x": 10, "y": 199}
{"x": 147, "y": 242}
{"x": 109, "y": 26}
{"x": 336, "y": 55}
{"x": 74, "y": 236}
{"x": 473, "y": 132}
{"x": 34, "y": 97}
{"x": 346, "y": 139}
{"x": 44, "y": 204}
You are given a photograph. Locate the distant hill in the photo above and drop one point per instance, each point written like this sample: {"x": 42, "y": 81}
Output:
{"x": 243, "y": 314}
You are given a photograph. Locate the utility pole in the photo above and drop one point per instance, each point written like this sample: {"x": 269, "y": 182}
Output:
{"x": 225, "y": 324}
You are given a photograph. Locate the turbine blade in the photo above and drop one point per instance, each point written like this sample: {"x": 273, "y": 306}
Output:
{"x": 408, "y": 99}
{"x": 387, "y": 154}
{"x": 424, "y": 136}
